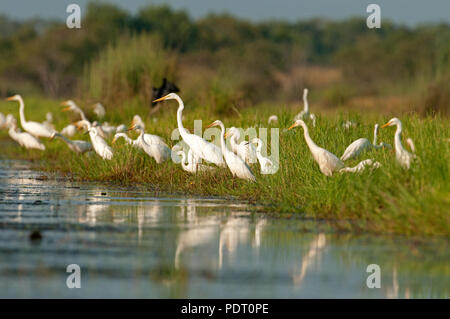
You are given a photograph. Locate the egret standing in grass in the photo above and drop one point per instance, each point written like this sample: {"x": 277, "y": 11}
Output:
{"x": 328, "y": 162}
{"x": 361, "y": 145}
{"x": 159, "y": 151}
{"x": 267, "y": 166}
{"x": 34, "y": 128}
{"x": 98, "y": 143}
{"x": 244, "y": 150}
{"x": 305, "y": 114}
{"x": 200, "y": 147}
{"x": 237, "y": 165}
{"x": 191, "y": 166}
{"x": 404, "y": 158}
{"x": 23, "y": 138}
{"x": 77, "y": 146}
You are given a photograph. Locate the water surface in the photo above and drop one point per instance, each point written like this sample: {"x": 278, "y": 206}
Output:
{"x": 130, "y": 243}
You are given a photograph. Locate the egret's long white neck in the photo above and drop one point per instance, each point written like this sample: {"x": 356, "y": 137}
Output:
{"x": 183, "y": 160}
{"x": 222, "y": 138}
{"x": 258, "y": 150}
{"x": 398, "y": 138}
{"x": 375, "y": 134}
{"x": 181, "y": 128}
{"x": 312, "y": 146}
{"x": 234, "y": 141}
{"x": 305, "y": 101}
{"x": 23, "y": 122}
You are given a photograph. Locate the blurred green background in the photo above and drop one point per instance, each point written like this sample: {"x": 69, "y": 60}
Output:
{"x": 220, "y": 61}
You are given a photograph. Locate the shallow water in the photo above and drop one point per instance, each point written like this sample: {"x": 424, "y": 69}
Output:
{"x": 132, "y": 244}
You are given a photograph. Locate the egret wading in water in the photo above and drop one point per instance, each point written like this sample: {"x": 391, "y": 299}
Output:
{"x": 99, "y": 144}
{"x": 77, "y": 146}
{"x": 237, "y": 165}
{"x": 305, "y": 115}
{"x": 34, "y": 128}
{"x": 23, "y": 138}
{"x": 404, "y": 158}
{"x": 361, "y": 145}
{"x": 200, "y": 147}
{"x": 267, "y": 166}
{"x": 244, "y": 150}
{"x": 159, "y": 151}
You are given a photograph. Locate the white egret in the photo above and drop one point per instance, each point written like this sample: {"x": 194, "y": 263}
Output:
{"x": 267, "y": 166}
{"x": 71, "y": 106}
{"x": 34, "y": 128}
{"x": 328, "y": 162}
{"x": 23, "y": 138}
{"x": 200, "y": 147}
{"x": 77, "y": 146}
{"x": 237, "y": 165}
{"x": 361, "y": 166}
{"x": 69, "y": 130}
{"x": 244, "y": 150}
{"x": 2, "y": 121}
{"x": 138, "y": 120}
{"x": 99, "y": 144}
{"x": 122, "y": 128}
{"x": 403, "y": 156}
{"x": 191, "y": 166}
{"x": 148, "y": 138}
{"x": 49, "y": 121}
{"x": 272, "y": 119}
{"x": 361, "y": 145}
{"x": 305, "y": 114}
{"x": 99, "y": 110}
{"x": 127, "y": 139}
{"x": 159, "y": 151}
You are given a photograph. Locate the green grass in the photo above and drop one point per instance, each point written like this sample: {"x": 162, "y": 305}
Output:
{"x": 387, "y": 200}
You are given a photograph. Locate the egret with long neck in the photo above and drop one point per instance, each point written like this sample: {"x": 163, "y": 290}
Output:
{"x": 200, "y": 147}
{"x": 34, "y": 128}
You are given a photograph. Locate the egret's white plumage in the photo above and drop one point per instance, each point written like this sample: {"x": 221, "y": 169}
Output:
{"x": 77, "y": 146}
{"x": 71, "y": 106}
{"x": 272, "y": 119}
{"x": 305, "y": 114}
{"x": 126, "y": 138}
{"x": 148, "y": 138}
{"x": 200, "y": 147}
{"x": 99, "y": 110}
{"x": 237, "y": 165}
{"x": 49, "y": 121}
{"x": 328, "y": 162}
{"x": 23, "y": 138}
{"x": 267, "y": 166}
{"x": 361, "y": 145}
{"x": 159, "y": 151}
{"x": 404, "y": 158}
{"x": 99, "y": 144}
{"x": 244, "y": 150}
{"x": 34, "y": 128}
{"x": 69, "y": 130}
{"x": 191, "y": 166}
{"x": 361, "y": 166}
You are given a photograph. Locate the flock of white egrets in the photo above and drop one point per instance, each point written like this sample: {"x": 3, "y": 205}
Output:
{"x": 237, "y": 159}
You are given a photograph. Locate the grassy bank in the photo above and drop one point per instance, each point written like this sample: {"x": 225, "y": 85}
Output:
{"x": 386, "y": 200}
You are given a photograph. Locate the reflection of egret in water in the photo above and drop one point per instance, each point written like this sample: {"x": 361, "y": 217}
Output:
{"x": 194, "y": 237}
{"x": 315, "y": 249}
{"x": 393, "y": 292}
{"x": 235, "y": 231}
{"x": 88, "y": 214}
{"x": 260, "y": 224}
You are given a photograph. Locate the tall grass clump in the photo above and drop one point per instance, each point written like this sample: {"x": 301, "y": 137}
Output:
{"x": 128, "y": 69}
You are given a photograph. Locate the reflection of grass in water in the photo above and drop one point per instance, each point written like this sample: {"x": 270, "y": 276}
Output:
{"x": 387, "y": 200}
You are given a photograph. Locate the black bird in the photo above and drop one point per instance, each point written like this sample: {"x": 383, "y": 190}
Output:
{"x": 166, "y": 88}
